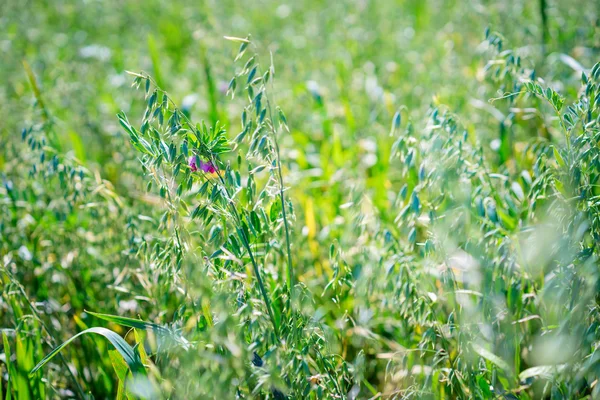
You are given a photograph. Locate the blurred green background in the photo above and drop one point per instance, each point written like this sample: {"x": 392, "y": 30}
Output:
{"x": 365, "y": 57}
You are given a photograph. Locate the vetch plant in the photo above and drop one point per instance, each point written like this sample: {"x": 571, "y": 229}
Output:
{"x": 190, "y": 165}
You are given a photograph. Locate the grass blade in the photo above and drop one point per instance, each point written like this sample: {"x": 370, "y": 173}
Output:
{"x": 161, "y": 331}
{"x": 129, "y": 355}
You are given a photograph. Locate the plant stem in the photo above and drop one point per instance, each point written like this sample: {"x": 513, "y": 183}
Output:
{"x": 246, "y": 242}
{"x": 290, "y": 268}
{"x": 544, "y": 17}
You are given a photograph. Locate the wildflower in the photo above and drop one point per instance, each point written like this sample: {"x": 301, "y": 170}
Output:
{"x": 196, "y": 164}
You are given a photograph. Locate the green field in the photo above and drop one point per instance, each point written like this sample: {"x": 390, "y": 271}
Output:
{"x": 366, "y": 199}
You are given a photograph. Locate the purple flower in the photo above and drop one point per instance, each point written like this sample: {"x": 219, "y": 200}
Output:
{"x": 203, "y": 166}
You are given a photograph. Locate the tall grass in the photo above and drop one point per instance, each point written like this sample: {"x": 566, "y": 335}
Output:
{"x": 406, "y": 213}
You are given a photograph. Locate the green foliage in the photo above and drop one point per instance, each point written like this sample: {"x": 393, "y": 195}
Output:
{"x": 372, "y": 200}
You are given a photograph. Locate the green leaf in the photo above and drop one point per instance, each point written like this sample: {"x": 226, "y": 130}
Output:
{"x": 491, "y": 357}
{"x": 130, "y": 322}
{"x": 255, "y": 221}
{"x": 485, "y": 387}
{"x": 558, "y": 157}
{"x": 595, "y": 72}
{"x": 232, "y": 86}
{"x": 412, "y": 236}
{"x": 121, "y": 370}
{"x": 415, "y": 204}
{"x": 252, "y": 73}
{"x": 236, "y": 39}
{"x": 257, "y": 169}
{"x": 396, "y": 123}
{"x": 129, "y": 355}
{"x": 161, "y": 331}
{"x": 139, "y": 347}
{"x": 282, "y": 118}
{"x": 543, "y": 371}
{"x": 275, "y": 211}
{"x": 9, "y": 366}
{"x": 25, "y": 361}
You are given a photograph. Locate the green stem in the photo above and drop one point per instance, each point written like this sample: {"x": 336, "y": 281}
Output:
{"x": 290, "y": 268}
{"x": 544, "y": 17}
{"x": 246, "y": 243}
